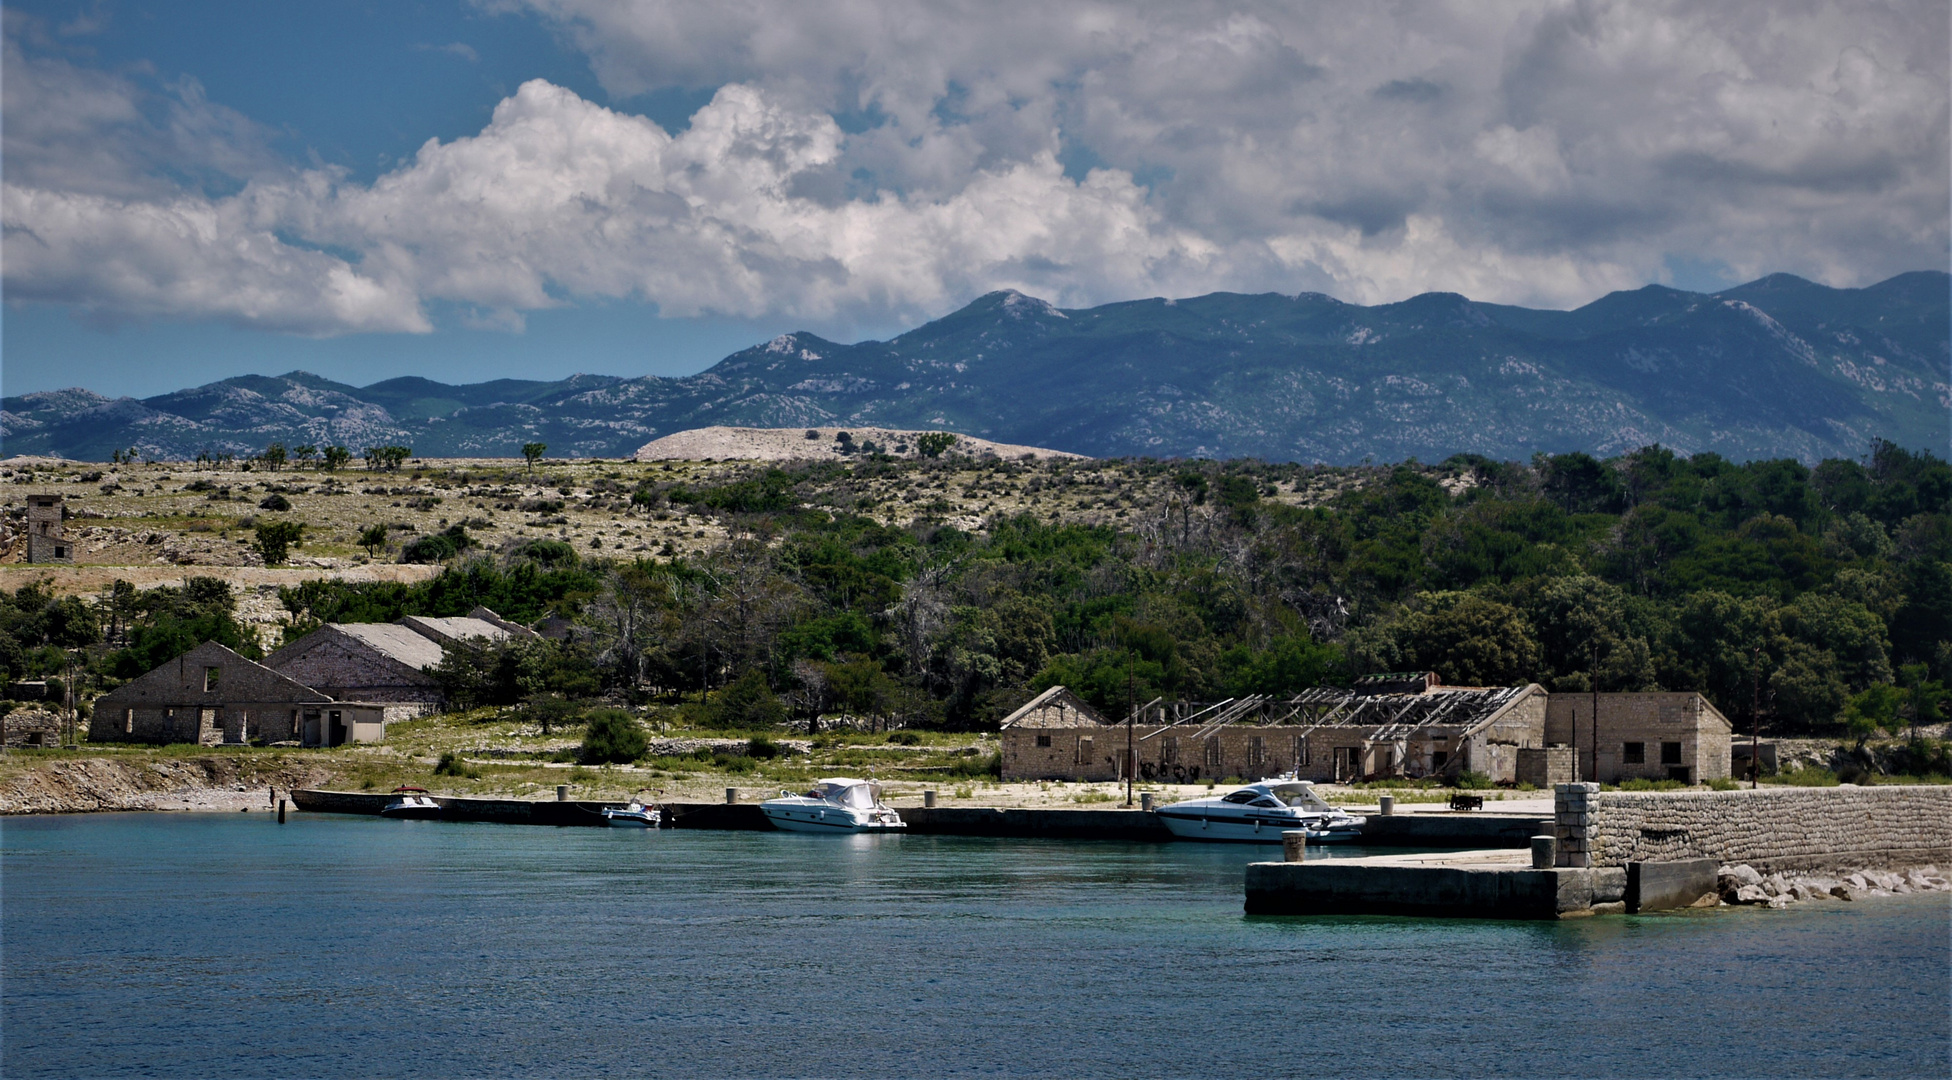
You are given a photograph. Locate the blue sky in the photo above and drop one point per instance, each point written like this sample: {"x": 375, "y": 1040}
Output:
{"x": 534, "y": 188}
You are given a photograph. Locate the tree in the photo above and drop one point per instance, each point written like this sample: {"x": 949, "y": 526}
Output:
{"x": 335, "y": 458}
{"x": 387, "y": 457}
{"x": 275, "y": 538}
{"x": 533, "y": 453}
{"x": 273, "y": 456}
{"x": 304, "y": 453}
{"x": 747, "y": 703}
{"x": 372, "y": 538}
{"x": 1470, "y": 641}
{"x": 932, "y": 444}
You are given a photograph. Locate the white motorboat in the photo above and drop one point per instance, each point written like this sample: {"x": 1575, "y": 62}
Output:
{"x": 833, "y": 806}
{"x": 412, "y": 806}
{"x": 634, "y": 816}
{"x": 1260, "y": 813}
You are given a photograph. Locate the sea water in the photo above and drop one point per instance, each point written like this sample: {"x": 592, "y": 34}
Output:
{"x": 230, "y": 945}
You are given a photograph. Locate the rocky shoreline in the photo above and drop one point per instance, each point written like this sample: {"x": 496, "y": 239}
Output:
{"x": 95, "y": 785}
{"x": 1743, "y": 884}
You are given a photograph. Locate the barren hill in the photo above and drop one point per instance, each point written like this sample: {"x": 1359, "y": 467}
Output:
{"x": 799, "y": 444}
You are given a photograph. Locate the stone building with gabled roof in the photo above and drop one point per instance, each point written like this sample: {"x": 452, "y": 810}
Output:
{"x": 211, "y": 695}
{"x": 387, "y": 662}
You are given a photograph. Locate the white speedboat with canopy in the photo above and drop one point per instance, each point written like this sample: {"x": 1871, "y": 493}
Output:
{"x": 836, "y": 805}
{"x": 1260, "y": 813}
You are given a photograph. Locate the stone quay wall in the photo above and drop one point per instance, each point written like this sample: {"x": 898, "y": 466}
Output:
{"x": 1770, "y": 828}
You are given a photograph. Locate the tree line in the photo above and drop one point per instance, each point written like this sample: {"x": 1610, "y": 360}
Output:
{"x": 1820, "y": 598}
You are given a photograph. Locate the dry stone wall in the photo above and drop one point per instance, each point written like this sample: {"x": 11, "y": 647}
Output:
{"x": 1771, "y": 828}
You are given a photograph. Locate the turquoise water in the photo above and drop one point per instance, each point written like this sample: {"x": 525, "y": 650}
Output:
{"x": 227, "y": 945}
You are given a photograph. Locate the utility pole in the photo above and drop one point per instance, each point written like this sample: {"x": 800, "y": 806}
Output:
{"x": 1131, "y": 706}
{"x": 1755, "y": 721}
{"x": 1596, "y": 708}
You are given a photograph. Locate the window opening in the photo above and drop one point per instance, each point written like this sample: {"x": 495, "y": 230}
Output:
{"x": 211, "y": 677}
{"x": 1670, "y": 753}
{"x": 1634, "y": 753}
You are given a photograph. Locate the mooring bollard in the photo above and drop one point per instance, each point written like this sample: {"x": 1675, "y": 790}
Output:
{"x": 1545, "y": 851}
{"x": 1294, "y": 846}
{"x": 562, "y": 792}
{"x": 731, "y": 795}
{"x": 1387, "y": 805}
{"x": 928, "y": 798}
{"x": 281, "y": 811}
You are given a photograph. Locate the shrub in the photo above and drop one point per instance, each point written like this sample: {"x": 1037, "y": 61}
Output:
{"x": 277, "y": 538}
{"x": 1723, "y": 783}
{"x": 905, "y": 738}
{"x": 613, "y": 735}
{"x": 451, "y": 764}
{"x": 1474, "y": 781}
{"x": 1641, "y": 783}
{"x": 274, "y": 501}
{"x": 759, "y": 746}
{"x": 747, "y": 703}
{"x": 439, "y": 547}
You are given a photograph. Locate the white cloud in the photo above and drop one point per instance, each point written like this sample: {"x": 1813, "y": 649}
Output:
{"x": 1540, "y": 153}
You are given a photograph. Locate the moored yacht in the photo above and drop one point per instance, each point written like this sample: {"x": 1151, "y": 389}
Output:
{"x": 1260, "y": 813}
{"x": 413, "y": 803}
{"x": 836, "y": 805}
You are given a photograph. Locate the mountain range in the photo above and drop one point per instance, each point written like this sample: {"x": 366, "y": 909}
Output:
{"x": 1779, "y": 367}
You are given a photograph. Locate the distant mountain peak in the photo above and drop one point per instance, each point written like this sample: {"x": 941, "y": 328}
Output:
{"x": 1779, "y": 367}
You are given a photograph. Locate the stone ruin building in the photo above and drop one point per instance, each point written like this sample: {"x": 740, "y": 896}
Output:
{"x": 1403, "y": 725}
{"x": 210, "y": 695}
{"x": 47, "y": 540}
{"x": 387, "y": 662}
{"x": 340, "y": 683}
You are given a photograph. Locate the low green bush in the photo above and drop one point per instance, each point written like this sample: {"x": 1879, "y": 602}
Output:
{"x": 612, "y": 736}
{"x": 977, "y": 767}
{"x": 1723, "y": 783}
{"x": 1474, "y": 781}
{"x": 759, "y": 746}
{"x": 1641, "y": 783}
{"x": 451, "y": 764}
{"x": 904, "y": 738}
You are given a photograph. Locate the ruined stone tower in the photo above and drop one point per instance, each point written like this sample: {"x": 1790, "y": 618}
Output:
{"x": 46, "y": 542}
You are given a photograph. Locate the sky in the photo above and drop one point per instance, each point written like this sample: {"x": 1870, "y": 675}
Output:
{"x": 481, "y": 189}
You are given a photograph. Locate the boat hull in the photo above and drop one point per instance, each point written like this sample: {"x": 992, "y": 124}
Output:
{"x": 1222, "y": 831}
{"x": 413, "y": 813}
{"x": 816, "y": 820}
{"x": 628, "y": 819}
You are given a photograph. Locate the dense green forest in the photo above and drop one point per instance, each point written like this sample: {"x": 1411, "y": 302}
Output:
{"x": 1822, "y": 597}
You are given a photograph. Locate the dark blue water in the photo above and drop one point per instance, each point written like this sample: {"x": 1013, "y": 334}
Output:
{"x": 227, "y": 945}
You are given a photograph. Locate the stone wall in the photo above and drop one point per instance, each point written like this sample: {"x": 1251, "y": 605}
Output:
{"x": 1545, "y": 766}
{"x": 1770, "y": 828}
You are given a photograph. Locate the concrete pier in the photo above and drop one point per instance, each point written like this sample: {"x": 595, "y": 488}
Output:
{"x": 1492, "y": 884}
{"x": 502, "y": 811}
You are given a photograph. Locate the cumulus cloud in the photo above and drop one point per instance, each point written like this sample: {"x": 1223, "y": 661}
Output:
{"x": 878, "y": 161}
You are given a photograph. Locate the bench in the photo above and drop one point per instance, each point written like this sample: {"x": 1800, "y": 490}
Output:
{"x": 1461, "y": 802}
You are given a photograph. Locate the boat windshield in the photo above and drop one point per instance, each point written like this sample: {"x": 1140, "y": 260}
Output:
{"x": 859, "y": 795}
{"x": 1300, "y": 795}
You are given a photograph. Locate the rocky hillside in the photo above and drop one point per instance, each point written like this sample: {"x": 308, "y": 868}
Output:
{"x": 1779, "y": 367}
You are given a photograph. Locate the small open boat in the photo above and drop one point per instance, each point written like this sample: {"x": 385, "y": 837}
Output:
{"x": 634, "y": 816}
{"x": 413, "y": 803}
